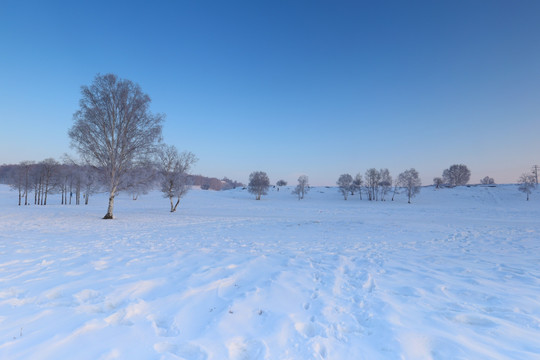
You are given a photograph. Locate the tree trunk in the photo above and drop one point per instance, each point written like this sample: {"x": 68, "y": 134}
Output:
{"x": 175, "y": 205}
{"x": 109, "y": 214}
{"x": 172, "y": 206}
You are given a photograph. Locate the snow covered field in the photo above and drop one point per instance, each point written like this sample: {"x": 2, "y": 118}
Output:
{"x": 455, "y": 275}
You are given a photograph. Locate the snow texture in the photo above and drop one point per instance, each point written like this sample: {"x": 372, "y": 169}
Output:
{"x": 455, "y": 275}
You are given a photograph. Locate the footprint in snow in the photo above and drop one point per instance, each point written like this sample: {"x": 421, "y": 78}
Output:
{"x": 244, "y": 349}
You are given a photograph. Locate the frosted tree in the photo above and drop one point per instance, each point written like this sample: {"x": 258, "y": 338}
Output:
{"x": 302, "y": 188}
{"x": 385, "y": 183}
{"x": 397, "y": 187}
{"x": 141, "y": 179}
{"x": 174, "y": 171}
{"x": 372, "y": 180}
{"x": 410, "y": 181}
{"x": 345, "y": 183}
{"x": 487, "y": 181}
{"x": 18, "y": 178}
{"x": 49, "y": 173}
{"x": 258, "y": 184}
{"x": 281, "y": 183}
{"x": 456, "y": 175}
{"x": 357, "y": 184}
{"x": 114, "y": 130}
{"x": 90, "y": 182}
{"x": 527, "y": 182}
{"x": 438, "y": 182}
{"x": 65, "y": 182}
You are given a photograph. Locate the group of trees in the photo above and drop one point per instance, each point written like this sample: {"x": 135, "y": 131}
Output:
{"x": 259, "y": 183}
{"x": 48, "y": 177}
{"x": 458, "y": 175}
{"x": 377, "y": 184}
{"x": 118, "y": 140}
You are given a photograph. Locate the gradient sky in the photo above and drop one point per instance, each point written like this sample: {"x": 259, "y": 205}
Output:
{"x": 288, "y": 87}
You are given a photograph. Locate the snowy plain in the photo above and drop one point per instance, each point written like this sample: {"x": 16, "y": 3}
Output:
{"x": 455, "y": 275}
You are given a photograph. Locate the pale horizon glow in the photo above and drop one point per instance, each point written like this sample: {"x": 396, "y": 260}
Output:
{"x": 290, "y": 88}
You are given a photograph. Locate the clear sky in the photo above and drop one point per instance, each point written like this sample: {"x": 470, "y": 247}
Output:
{"x": 290, "y": 87}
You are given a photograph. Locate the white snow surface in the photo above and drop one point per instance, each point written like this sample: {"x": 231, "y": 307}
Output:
{"x": 454, "y": 275}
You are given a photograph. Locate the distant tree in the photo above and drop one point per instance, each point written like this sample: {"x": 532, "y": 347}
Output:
{"x": 385, "y": 182}
{"x": 65, "y": 182}
{"x": 535, "y": 173}
{"x": 372, "y": 180}
{"x": 230, "y": 184}
{"x": 410, "y": 180}
{"x": 281, "y": 183}
{"x": 344, "y": 183}
{"x": 174, "y": 168}
{"x": 438, "y": 182}
{"x": 90, "y": 182}
{"x": 36, "y": 179}
{"x": 527, "y": 182}
{"x": 302, "y": 188}
{"x": 397, "y": 187}
{"x": 487, "y": 181}
{"x": 456, "y": 175}
{"x": 114, "y": 130}
{"x": 18, "y": 178}
{"x": 49, "y": 168}
{"x": 258, "y": 184}
{"x": 357, "y": 184}
{"x": 141, "y": 179}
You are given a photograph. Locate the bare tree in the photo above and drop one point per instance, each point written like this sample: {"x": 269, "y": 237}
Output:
{"x": 535, "y": 173}
{"x": 141, "y": 179}
{"x": 258, "y": 184}
{"x": 438, "y": 182}
{"x": 114, "y": 129}
{"x": 49, "y": 168}
{"x": 385, "y": 183}
{"x": 396, "y": 188}
{"x": 410, "y": 180}
{"x": 90, "y": 182}
{"x": 344, "y": 183}
{"x": 456, "y": 175}
{"x": 302, "y": 188}
{"x": 230, "y": 184}
{"x": 281, "y": 183}
{"x": 527, "y": 182}
{"x": 373, "y": 177}
{"x": 487, "y": 181}
{"x": 174, "y": 168}
{"x": 357, "y": 184}
{"x": 18, "y": 178}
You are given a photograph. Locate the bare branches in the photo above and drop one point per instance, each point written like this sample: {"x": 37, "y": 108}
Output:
{"x": 114, "y": 129}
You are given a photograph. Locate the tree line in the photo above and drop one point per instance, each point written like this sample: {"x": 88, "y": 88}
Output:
{"x": 76, "y": 183}
{"x": 119, "y": 142}
{"x": 378, "y": 185}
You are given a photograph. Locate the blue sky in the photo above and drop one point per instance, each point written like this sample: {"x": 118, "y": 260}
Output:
{"x": 288, "y": 87}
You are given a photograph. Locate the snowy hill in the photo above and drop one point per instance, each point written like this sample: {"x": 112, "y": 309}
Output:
{"x": 455, "y": 275}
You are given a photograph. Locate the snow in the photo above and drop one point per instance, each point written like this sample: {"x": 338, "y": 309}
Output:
{"x": 455, "y": 275}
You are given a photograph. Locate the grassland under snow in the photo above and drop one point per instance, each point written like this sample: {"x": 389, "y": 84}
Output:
{"x": 455, "y": 275}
